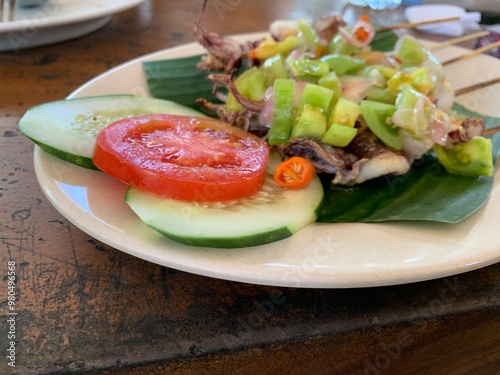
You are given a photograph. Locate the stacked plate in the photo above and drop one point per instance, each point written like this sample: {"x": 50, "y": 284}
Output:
{"x": 34, "y": 23}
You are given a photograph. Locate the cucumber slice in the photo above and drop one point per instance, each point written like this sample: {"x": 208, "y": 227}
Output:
{"x": 270, "y": 215}
{"x": 67, "y": 128}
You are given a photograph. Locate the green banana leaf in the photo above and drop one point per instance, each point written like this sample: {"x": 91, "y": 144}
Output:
{"x": 178, "y": 80}
{"x": 384, "y": 41}
{"x": 426, "y": 193}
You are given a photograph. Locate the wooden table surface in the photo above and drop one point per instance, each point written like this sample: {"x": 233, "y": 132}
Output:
{"x": 83, "y": 306}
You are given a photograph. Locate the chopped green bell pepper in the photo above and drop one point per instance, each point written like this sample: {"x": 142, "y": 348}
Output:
{"x": 339, "y": 135}
{"x": 309, "y": 67}
{"x": 339, "y": 46}
{"x": 407, "y": 97}
{"x": 331, "y": 81}
{"x": 342, "y": 64}
{"x": 380, "y": 94}
{"x": 377, "y": 117}
{"x": 345, "y": 113}
{"x": 283, "y": 112}
{"x": 411, "y": 52}
{"x": 269, "y": 48}
{"x": 251, "y": 84}
{"x": 471, "y": 158}
{"x": 311, "y": 122}
{"x": 317, "y": 96}
{"x": 419, "y": 79}
{"x": 309, "y": 36}
{"x": 273, "y": 68}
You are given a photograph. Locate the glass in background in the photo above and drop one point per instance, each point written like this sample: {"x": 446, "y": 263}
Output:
{"x": 377, "y": 4}
{"x": 380, "y": 12}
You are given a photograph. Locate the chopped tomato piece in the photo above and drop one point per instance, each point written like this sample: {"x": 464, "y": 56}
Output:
{"x": 361, "y": 34}
{"x": 364, "y": 18}
{"x": 183, "y": 158}
{"x": 294, "y": 173}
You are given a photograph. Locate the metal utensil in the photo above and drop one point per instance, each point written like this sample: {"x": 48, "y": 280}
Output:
{"x": 7, "y": 10}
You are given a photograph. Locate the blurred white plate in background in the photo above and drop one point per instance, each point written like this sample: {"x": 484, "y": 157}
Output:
{"x": 420, "y": 13}
{"x": 57, "y": 20}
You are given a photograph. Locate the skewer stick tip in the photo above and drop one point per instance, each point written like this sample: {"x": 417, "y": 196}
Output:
{"x": 459, "y": 40}
{"x": 473, "y": 53}
{"x": 410, "y": 25}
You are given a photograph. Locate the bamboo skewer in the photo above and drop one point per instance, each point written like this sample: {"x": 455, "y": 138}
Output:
{"x": 491, "y": 131}
{"x": 477, "y": 86}
{"x": 459, "y": 40}
{"x": 410, "y": 25}
{"x": 473, "y": 53}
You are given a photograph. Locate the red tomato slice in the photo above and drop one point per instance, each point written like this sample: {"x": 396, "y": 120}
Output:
{"x": 183, "y": 158}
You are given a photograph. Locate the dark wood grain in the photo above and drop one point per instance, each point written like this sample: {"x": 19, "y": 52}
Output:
{"x": 86, "y": 307}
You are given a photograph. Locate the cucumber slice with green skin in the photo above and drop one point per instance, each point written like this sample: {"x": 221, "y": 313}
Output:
{"x": 67, "y": 128}
{"x": 270, "y": 215}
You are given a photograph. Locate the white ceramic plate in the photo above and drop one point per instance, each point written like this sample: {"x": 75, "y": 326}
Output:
{"x": 321, "y": 255}
{"x": 420, "y": 13}
{"x": 56, "y": 21}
